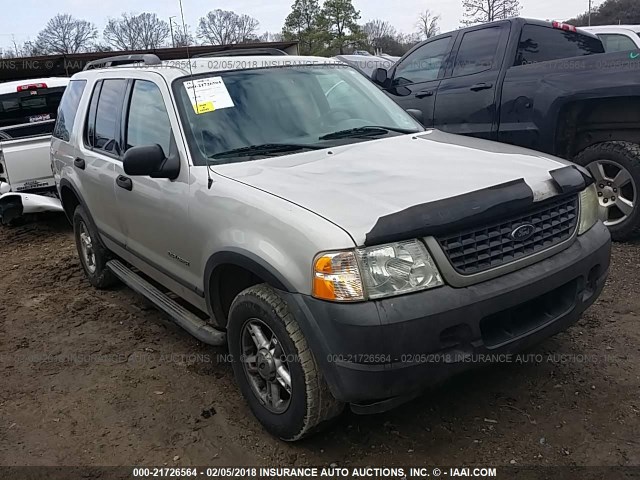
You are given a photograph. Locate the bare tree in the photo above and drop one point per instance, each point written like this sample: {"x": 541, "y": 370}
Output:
{"x": 481, "y": 11}
{"x": 271, "y": 37}
{"x": 136, "y": 32}
{"x": 65, "y": 34}
{"x": 428, "y": 24}
{"x": 378, "y": 32}
{"x": 224, "y": 27}
{"x": 182, "y": 37}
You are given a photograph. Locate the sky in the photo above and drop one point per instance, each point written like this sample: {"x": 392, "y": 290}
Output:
{"x": 28, "y": 17}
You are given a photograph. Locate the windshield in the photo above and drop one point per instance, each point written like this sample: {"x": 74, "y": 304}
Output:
{"x": 298, "y": 108}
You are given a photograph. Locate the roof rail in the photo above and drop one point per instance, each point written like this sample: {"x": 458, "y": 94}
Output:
{"x": 242, "y": 52}
{"x": 146, "y": 59}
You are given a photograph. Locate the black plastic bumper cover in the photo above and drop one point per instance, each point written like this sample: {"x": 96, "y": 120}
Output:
{"x": 397, "y": 347}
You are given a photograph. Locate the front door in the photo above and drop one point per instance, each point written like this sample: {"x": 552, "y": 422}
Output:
{"x": 415, "y": 80}
{"x": 154, "y": 211}
{"x": 466, "y": 102}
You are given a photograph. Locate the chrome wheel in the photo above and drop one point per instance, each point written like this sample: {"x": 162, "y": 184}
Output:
{"x": 617, "y": 192}
{"x": 86, "y": 248}
{"x": 265, "y": 365}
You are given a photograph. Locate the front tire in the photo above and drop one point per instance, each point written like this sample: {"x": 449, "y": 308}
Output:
{"x": 615, "y": 167}
{"x": 93, "y": 255}
{"x": 274, "y": 367}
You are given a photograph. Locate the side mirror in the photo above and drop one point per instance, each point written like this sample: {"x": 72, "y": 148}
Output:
{"x": 416, "y": 114}
{"x": 380, "y": 76}
{"x": 150, "y": 160}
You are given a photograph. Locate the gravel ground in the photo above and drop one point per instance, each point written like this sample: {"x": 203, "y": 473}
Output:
{"x": 101, "y": 378}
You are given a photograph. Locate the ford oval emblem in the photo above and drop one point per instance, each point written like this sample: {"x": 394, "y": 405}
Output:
{"x": 523, "y": 232}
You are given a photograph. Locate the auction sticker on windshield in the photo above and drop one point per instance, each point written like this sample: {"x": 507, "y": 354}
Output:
{"x": 208, "y": 94}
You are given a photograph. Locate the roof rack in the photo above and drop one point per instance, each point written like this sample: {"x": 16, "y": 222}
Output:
{"x": 146, "y": 59}
{"x": 242, "y": 52}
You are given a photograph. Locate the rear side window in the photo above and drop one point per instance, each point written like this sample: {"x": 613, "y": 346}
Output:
{"x": 148, "y": 122}
{"x": 68, "y": 109}
{"x": 423, "y": 64}
{"x": 614, "y": 42}
{"x": 541, "y": 44}
{"x": 104, "y": 115}
{"x": 477, "y": 51}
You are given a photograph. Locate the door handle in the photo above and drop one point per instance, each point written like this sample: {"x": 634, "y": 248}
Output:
{"x": 79, "y": 163}
{"x": 124, "y": 182}
{"x": 481, "y": 86}
{"x": 425, "y": 93}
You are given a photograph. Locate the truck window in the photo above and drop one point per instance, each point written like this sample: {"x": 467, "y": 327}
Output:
{"x": 615, "y": 42}
{"x": 477, "y": 51}
{"x": 68, "y": 109}
{"x": 148, "y": 121}
{"x": 107, "y": 115}
{"x": 30, "y": 112}
{"x": 542, "y": 44}
{"x": 423, "y": 64}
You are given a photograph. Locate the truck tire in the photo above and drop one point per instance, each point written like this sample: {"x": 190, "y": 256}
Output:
{"x": 93, "y": 255}
{"x": 274, "y": 367}
{"x": 615, "y": 167}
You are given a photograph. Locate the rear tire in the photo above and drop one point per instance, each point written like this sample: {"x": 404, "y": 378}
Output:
{"x": 615, "y": 167}
{"x": 308, "y": 405}
{"x": 93, "y": 255}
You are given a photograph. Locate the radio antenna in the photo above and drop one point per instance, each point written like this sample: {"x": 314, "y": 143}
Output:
{"x": 184, "y": 30}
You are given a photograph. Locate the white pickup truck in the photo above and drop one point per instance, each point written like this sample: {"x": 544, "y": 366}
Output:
{"x": 28, "y": 110}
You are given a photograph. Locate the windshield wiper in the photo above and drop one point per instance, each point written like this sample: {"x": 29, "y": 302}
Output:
{"x": 264, "y": 149}
{"x": 367, "y": 131}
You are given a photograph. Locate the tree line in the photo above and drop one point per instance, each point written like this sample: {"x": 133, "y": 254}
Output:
{"x": 326, "y": 27}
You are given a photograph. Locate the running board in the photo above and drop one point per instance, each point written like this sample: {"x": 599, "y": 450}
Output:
{"x": 180, "y": 315}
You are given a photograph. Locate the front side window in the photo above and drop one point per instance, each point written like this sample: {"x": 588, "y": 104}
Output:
{"x": 541, "y": 44}
{"x": 477, "y": 51}
{"x": 107, "y": 116}
{"x": 148, "y": 122}
{"x": 68, "y": 109}
{"x": 423, "y": 64}
{"x": 293, "y": 107}
{"x": 614, "y": 42}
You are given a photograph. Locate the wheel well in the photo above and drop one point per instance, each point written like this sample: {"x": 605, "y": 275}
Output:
{"x": 69, "y": 201}
{"x": 585, "y": 123}
{"x": 227, "y": 281}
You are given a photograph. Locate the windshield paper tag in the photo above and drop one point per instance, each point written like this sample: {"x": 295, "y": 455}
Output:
{"x": 208, "y": 94}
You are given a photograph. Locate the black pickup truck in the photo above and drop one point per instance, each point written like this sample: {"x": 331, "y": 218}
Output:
{"x": 543, "y": 85}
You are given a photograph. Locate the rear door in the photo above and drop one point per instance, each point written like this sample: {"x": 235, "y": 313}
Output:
{"x": 27, "y": 118}
{"x": 415, "y": 79}
{"x": 99, "y": 161}
{"x": 466, "y": 101}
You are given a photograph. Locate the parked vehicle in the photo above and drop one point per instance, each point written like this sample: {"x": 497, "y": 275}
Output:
{"x": 28, "y": 110}
{"x": 368, "y": 63}
{"x": 617, "y": 38}
{"x": 343, "y": 253}
{"x": 545, "y": 86}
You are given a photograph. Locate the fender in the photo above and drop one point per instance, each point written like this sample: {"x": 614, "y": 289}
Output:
{"x": 244, "y": 259}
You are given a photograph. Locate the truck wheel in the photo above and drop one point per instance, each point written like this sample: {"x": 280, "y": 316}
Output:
{"x": 615, "y": 167}
{"x": 274, "y": 367}
{"x": 93, "y": 255}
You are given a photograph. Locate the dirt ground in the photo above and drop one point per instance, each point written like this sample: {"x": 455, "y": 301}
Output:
{"x": 101, "y": 378}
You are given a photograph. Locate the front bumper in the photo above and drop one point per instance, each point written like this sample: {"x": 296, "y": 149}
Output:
{"x": 392, "y": 349}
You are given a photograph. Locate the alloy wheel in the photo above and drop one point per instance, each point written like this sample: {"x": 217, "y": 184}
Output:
{"x": 617, "y": 192}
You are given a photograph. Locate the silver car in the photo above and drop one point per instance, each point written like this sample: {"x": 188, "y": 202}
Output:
{"x": 344, "y": 254}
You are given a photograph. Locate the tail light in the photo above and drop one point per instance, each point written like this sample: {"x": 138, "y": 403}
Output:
{"x": 564, "y": 26}
{"x": 31, "y": 86}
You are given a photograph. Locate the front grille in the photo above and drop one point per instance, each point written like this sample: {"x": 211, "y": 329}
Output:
{"x": 483, "y": 248}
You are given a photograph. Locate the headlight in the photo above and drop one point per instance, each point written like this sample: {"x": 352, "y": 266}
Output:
{"x": 375, "y": 272}
{"x": 589, "y": 209}
{"x": 397, "y": 268}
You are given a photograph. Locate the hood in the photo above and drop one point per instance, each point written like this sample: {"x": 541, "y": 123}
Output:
{"x": 354, "y": 185}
